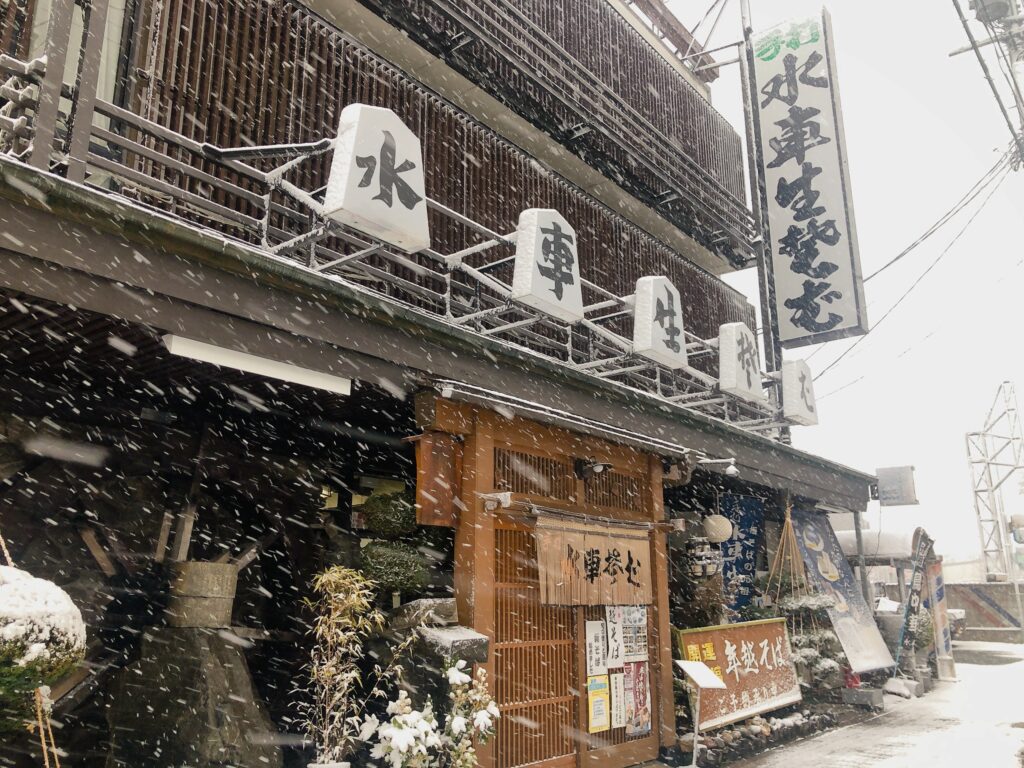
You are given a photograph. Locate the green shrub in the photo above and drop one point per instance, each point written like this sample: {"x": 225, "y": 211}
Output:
{"x": 19, "y": 682}
{"x": 395, "y": 567}
{"x": 390, "y": 515}
{"x": 42, "y": 637}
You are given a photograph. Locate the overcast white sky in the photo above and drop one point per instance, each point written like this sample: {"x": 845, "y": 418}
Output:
{"x": 921, "y": 129}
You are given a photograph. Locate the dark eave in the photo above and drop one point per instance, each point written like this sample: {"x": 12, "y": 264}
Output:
{"x": 77, "y": 245}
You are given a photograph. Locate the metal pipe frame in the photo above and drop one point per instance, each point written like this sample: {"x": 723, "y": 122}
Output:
{"x": 287, "y": 219}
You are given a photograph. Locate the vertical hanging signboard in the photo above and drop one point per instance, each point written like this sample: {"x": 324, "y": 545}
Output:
{"x": 819, "y": 288}
{"x": 739, "y": 551}
{"x": 829, "y": 573}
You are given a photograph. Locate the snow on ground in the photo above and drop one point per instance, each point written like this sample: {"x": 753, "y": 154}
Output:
{"x": 976, "y": 722}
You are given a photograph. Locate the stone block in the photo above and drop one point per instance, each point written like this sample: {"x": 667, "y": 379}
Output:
{"x": 201, "y": 594}
{"x": 187, "y": 611}
{"x": 924, "y": 676}
{"x": 864, "y": 697}
{"x": 188, "y": 699}
{"x": 456, "y": 643}
{"x": 947, "y": 668}
{"x": 199, "y": 579}
{"x": 430, "y": 612}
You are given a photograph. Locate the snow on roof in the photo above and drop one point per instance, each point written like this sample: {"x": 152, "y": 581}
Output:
{"x": 37, "y": 614}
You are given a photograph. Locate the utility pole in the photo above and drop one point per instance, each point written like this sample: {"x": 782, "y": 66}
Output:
{"x": 762, "y": 251}
{"x": 1014, "y": 30}
{"x": 1004, "y": 25}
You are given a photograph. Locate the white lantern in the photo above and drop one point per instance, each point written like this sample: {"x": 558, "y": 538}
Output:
{"x": 717, "y": 528}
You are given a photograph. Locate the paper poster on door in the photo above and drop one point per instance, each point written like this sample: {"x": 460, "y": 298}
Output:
{"x": 616, "y": 646}
{"x": 598, "y": 704}
{"x": 597, "y": 649}
{"x": 638, "y": 698}
{"x": 618, "y": 684}
{"x": 634, "y": 632}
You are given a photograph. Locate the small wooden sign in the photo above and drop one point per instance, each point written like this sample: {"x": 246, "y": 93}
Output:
{"x": 593, "y": 564}
{"x": 754, "y": 661}
{"x": 438, "y": 456}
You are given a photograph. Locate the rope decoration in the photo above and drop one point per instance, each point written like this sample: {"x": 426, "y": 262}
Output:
{"x": 46, "y": 740}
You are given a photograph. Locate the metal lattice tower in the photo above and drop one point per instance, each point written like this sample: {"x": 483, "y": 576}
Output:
{"x": 994, "y": 454}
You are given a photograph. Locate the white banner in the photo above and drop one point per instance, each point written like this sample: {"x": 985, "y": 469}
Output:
{"x": 819, "y": 289}
{"x": 597, "y": 649}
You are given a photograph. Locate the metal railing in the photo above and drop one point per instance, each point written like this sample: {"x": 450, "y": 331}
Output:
{"x": 255, "y": 197}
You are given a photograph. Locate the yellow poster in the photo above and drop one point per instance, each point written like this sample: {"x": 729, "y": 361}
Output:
{"x": 598, "y": 703}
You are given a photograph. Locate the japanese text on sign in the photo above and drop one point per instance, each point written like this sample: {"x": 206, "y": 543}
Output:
{"x": 753, "y": 659}
{"x": 815, "y": 261}
{"x": 658, "y": 322}
{"x": 585, "y": 564}
{"x": 547, "y": 271}
{"x": 376, "y": 182}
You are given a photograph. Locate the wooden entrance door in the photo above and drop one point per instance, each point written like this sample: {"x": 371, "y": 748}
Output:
{"x": 540, "y": 671}
{"x": 535, "y": 661}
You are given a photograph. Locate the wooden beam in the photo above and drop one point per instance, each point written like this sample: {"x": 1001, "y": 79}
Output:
{"x": 437, "y": 414}
{"x": 250, "y": 553}
{"x": 187, "y": 519}
{"x": 474, "y": 549}
{"x": 662, "y": 688}
{"x": 160, "y": 551}
{"x": 96, "y": 550}
{"x": 123, "y": 556}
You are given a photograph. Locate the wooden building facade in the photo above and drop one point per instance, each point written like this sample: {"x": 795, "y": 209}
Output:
{"x": 126, "y": 221}
{"x": 538, "y": 658}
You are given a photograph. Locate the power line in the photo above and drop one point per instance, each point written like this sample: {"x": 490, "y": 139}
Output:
{"x": 1017, "y": 137}
{"x": 962, "y": 203}
{"x": 921, "y": 277}
{"x": 968, "y": 197}
{"x": 1006, "y": 66}
{"x": 913, "y": 345}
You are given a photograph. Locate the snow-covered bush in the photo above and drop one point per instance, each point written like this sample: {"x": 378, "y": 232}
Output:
{"x": 472, "y": 716}
{"x": 411, "y": 737}
{"x": 42, "y": 637}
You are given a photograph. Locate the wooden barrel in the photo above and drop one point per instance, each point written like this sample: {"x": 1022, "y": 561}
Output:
{"x": 201, "y": 594}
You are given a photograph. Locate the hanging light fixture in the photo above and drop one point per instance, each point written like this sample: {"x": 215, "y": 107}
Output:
{"x": 703, "y": 560}
{"x": 587, "y": 468}
{"x": 717, "y": 528}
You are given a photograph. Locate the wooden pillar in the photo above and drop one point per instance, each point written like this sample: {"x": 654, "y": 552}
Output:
{"x": 474, "y": 547}
{"x": 665, "y": 702}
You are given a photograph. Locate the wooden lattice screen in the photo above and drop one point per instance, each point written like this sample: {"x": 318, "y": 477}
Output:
{"x": 539, "y": 669}
{"x": 535, "y": 661}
